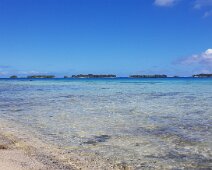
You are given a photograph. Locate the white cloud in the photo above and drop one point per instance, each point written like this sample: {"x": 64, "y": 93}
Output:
{"x": 207, "y": 14}
{"x": 204, "y": 5}
{"x": 165, "y": 3}
{"x": 205, "y": 58}
{"x": 198, "y": 4}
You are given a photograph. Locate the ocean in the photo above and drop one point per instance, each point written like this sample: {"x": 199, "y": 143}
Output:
{"x": 139, "y": 123}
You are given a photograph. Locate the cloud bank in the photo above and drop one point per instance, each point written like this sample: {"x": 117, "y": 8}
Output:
{"x": 165, "y": 3}
{"x": 205, "y": 5}
{"x": 207, "y": 14}
{"x": 198, "y": 4}
{"x": 205, "y": 58}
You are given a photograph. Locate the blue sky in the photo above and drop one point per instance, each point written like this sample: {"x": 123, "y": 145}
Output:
{"x": 65, "y": 37}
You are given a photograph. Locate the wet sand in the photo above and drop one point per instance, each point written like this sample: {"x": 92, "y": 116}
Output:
{"x": 13, "y": 158}
{"x": 19, "y": 155}
{"x": 20, "y": 152}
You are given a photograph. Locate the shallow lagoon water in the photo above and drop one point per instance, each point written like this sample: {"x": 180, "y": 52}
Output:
{"x": 141, "y": 123}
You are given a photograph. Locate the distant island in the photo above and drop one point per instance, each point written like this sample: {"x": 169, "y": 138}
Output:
{"x": 93, "y": 76}
{"x": 202, "y": 75}
{"x": 148, "y": 76}
{"x": 14, "y": 77}
{"x": 40, "y": 76}
{"x": 108, "y": 76}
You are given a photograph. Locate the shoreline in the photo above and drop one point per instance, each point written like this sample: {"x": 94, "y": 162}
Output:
{"x": 21, "y": 150}
{"x": 21, "y": 153}
{"x": 16, "y": 142}
{"x": 13, "y": 158}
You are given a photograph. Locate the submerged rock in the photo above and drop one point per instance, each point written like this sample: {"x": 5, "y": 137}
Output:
{"x": 97, "y": 139}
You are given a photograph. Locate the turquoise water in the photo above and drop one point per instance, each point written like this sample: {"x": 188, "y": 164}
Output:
{"x": 138, "y": 122}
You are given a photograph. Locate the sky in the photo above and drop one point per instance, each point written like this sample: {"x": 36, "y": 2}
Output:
{"x": 122, "y": 37}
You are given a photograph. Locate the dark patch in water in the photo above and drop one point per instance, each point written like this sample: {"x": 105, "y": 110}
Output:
{"x": 97, "y": 139}
{"x": 119, "y": 93}
{"x": 198, "y": 127}
{"x": 195, "y": 160}
{"x": 158, "y": 95}
{"x": 190, "y": 97}
{"x": 17, "y": 110}
{"x": 170, "y": 133}
{"x": 138, "y": 144}
{"x": 197, "y": 112}
{"x": 51, "y": 134}
{"x": 68, "y": 96}
{"x": 72, "y": 96}
{"x": 40, "y": 89}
